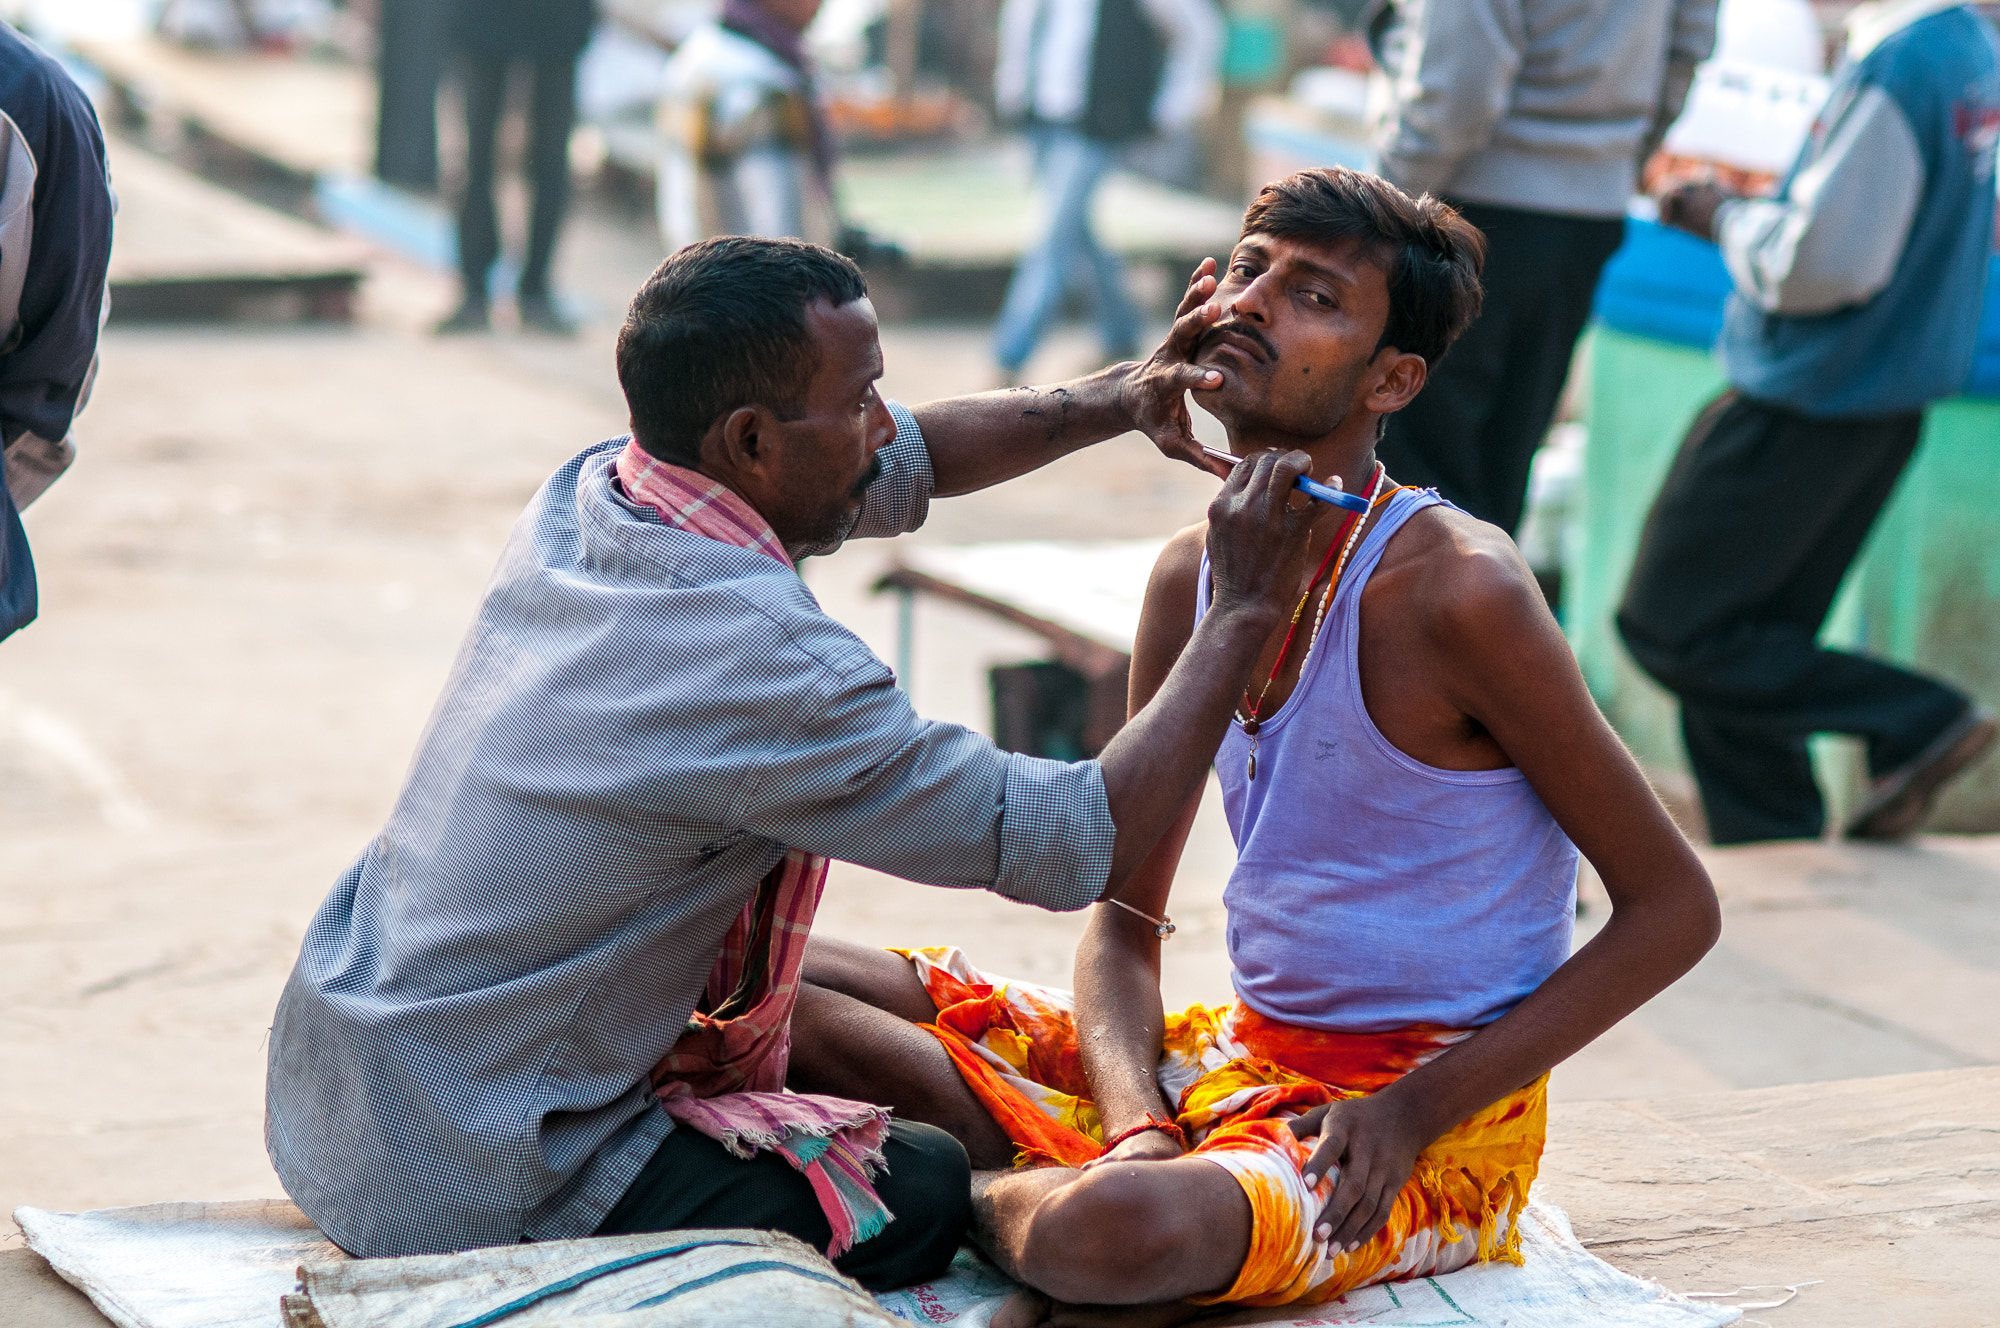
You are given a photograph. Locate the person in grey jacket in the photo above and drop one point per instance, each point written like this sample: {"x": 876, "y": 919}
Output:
{"x": 1532, "y": 118}
{"x": 1857, "y": 303}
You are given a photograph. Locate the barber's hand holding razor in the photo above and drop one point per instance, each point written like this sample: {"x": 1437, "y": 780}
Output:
{"x": 1257, "y": 535}
{"x": 1154, "y": 392}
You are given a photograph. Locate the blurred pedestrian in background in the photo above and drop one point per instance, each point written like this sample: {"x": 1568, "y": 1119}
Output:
{"x": 747, "y": 147}
{"x": 1531, "y": 117}
{"x": 1857, "y": 303}
{"x": 493, "y": 39}
{"x": 55, "y": 247}
{"x": 1086, "y": 77}
{"x": 412, "y": 39}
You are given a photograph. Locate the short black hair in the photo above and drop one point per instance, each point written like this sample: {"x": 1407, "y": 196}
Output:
{"x": 1431, "y": 255}
{"x": 722, "y": 324}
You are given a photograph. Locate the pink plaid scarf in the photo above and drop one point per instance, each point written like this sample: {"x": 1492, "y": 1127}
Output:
{"x": 696, "y": 503}
{"x": 725, "y": 1077}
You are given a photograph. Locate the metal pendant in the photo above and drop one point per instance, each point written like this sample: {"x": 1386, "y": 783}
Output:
{"x": 1253, "y": 760}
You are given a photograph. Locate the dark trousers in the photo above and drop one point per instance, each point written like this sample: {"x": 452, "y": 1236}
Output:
{"x": 551, "y": 115}
{"x": 415, "y": 36}
{"x": 1472, "y": 432}
{"x": 1759, "y": 519}
{"x": 692, "y": 1181}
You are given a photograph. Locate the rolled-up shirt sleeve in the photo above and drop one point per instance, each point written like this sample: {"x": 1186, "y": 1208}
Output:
{"x": 861, "y": 777}
{"x": 900, "y": 498}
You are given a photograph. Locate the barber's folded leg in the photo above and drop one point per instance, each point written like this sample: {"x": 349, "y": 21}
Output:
{"x": 692, "y": 1181}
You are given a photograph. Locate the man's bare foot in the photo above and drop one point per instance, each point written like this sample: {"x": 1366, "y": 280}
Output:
{"x": 1032, "y": 1309}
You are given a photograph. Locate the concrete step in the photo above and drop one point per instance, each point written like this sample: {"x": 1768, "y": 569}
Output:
{"x": 189, "y": 250}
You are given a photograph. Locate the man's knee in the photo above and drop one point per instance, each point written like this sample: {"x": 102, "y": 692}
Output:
{"x": 870, "y": 975}
{"x": 1120, "y": 1235}
{"x": 1672, "y": 666}
{"x": 928, "y": 1187}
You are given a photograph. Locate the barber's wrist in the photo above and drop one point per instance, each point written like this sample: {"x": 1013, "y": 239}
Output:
{"x": 1239, "y": 623}
{"x": 1112, "y": 398}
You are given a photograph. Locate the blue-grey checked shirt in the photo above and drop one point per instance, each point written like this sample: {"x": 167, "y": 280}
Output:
{"x": 639, "y": 723}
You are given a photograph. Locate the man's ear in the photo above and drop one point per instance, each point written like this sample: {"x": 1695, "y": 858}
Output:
{"x": 1402, "y": 376}
{"x": 741, "y": 437}
{"x": 735, "y": 443}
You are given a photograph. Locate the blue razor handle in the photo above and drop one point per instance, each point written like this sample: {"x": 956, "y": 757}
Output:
{"x": 1305, "y": 484}
{"x": 1312, "y": 488}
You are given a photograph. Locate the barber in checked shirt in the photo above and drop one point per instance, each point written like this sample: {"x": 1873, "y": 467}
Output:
{"x": 643, "y": 721}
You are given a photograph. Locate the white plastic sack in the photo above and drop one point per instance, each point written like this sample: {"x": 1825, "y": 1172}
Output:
{"x": 181, "y": 1265}
{"x": 232, "y": 1265}
{"x": 1561, "y": 1285}
{"x": 677, "y": 1279}
{"x": 228, "y": 1265}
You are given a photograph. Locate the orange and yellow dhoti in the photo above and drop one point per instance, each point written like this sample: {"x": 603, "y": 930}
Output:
{"x": 1236, "y": 1077}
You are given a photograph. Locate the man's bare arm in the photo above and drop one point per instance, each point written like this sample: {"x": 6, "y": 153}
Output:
{"x": 979, "y": 441}
{"x": 1119, "y": 1018}
{"x": 1507, "y": 667}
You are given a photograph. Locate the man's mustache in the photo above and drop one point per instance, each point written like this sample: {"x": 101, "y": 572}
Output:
{"x": 1248, "y": 331}
{"x": 868, "y": 476}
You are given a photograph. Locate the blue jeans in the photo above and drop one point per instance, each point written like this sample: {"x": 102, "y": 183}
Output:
{"x": 1068, "y": 167}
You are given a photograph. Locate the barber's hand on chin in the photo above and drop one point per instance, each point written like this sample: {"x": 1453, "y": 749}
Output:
{"x": 1257, "y": 532}
{"x": 1371, "y": 1147}
{"x": 1154, "y": 394}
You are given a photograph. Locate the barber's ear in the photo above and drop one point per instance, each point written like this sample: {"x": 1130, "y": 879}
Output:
{"x": 1403, "y": 376}
{"x": 740, "y": 435}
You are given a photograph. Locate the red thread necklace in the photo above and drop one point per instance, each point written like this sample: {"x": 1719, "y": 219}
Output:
{"x": 1249, "y": 717}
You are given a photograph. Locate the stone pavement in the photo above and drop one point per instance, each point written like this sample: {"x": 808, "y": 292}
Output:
{"x": 1885, "y": 1192}
{"x": 254, "y": 581}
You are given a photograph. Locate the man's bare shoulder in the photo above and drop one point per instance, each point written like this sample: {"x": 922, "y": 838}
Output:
{"x": 1167, "y": 620}
{"x": 1461, "y": 578}
{"x": 1179, "y": 563}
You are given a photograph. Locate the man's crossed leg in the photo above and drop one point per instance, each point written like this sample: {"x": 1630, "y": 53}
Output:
{"x": 1125, "y": 1233}
{"x": 1244, "y": 1218}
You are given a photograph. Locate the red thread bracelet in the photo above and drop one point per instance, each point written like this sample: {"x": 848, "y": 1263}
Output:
{"x": 1152, "y": 1122}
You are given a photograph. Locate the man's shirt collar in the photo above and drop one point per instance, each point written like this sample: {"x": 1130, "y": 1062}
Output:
{"x": 695, "y": 503}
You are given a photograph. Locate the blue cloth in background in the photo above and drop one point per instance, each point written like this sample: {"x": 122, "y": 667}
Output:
{"x": 1664, "y": 284}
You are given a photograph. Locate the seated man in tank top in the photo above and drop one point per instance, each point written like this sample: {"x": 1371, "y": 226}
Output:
{"x": 1409, "y": 782}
